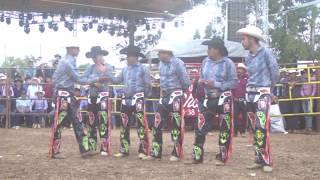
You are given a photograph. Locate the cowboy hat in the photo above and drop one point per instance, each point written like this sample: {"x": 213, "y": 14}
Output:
{"x": 57, "y": 56}
{"x": 241, "y": 65}
{"x": 37, "y": 92}
{"x": 96, "y": 50}
{"x": 3, "y": 76}
{"x": 252, "y": 31}
{"x": 217, "y": 44}
{"x": 36, "y": 79}
{"x": 132, "y": 51}
{"x": 163, "y": 47}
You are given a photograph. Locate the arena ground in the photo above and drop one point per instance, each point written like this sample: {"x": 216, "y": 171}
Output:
{"x": 24, "y": 155}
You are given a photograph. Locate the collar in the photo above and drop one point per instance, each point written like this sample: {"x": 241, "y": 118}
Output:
{"x": 258, "y": 51}
{"x": 217, "y": 61}
{"x": 170, "y": 60}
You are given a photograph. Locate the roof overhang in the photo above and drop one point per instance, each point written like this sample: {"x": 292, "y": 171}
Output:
{"x": 101, "y": 8}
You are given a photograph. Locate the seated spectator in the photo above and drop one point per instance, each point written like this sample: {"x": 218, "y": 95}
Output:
{"x": 307, "y": 90}
{"x": 34, "y": 87}
{"x": 23, "y": 105}
{"x": 18, "y": 88}
{"x": 39, "y": 105}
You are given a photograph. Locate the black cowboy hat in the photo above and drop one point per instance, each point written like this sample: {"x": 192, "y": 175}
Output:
{"x": 96, "y": 50}
{"x": 217, "y": 44}
{"x": 132, "y": 51}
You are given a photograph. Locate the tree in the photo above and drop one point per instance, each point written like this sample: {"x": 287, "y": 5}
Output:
{"x": 208, "y": 31}
{"x": 197, "y": 35}
{"x": 294, "y": 34}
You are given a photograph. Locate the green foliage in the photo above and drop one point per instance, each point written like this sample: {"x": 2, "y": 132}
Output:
{"x": 197, "y": 35}
{"x": 292, "y": 35}
{"x": 17, "y": 62}
{"x": 208, "y": 31}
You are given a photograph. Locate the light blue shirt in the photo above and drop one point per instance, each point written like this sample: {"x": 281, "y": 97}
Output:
{"x": 263, "y": 69}
{"x": 173, "y": 75}
{"x": 66, "y": 74}
{"x": 92, "y": 73}
{"x": 136, "y": 78}
{"x": 222, "y": 72}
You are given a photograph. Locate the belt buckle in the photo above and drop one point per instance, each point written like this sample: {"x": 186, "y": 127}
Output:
{"x": 104, "y": 94}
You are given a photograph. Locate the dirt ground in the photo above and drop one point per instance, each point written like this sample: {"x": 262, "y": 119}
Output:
{"x": 24, "y": 155}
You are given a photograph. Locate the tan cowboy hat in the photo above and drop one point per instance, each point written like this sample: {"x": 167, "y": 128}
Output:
{"x": 241, "y": 65}
{"x": 166, "y": 47}
{"x": 252, "y": 31}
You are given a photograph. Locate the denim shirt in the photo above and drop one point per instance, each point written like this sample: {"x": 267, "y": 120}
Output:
{"x": 262, "y": 68}
{"x": 136, "y": 78}
{"x": 67, "y": 74}
{"x": 222, "y": 72}
{"x": 173, "y": 75}
{"x": 92, "y": 72}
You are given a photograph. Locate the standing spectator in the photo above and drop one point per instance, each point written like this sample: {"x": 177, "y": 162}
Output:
{"x": 29, "y": 72}
{"x": 23, "y": 105}
{"x": 34, "y": 87}
{"x": 294, "y": 106}
{"x": 55, "y": 62}
{"x": 239, "y": 101}
{"x": 27, "y": 82}
{"x": 307, "y": 90}
{"x": 39, "y": 105}
{"x": 3, "y": 95}
{"x": 48, "y": 89}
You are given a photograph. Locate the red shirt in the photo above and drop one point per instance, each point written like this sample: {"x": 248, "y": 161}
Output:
{"x": 240, "y": 89}
{"x": 48, "y": 89}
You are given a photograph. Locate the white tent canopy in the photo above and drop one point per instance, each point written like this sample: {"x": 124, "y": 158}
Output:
{"x": 194, "y": 48}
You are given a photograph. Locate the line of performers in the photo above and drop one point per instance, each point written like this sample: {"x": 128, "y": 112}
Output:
{"x": 218, "y": 76}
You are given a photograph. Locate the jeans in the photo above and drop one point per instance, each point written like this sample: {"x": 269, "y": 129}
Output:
{"x": 306, "y": 106}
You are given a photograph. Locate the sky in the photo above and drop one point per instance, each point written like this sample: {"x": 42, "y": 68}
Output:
{"x": 15, "y": 42}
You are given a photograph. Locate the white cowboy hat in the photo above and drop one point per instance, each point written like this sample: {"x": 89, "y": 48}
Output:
{"x": 164, "y": 47}
{"x": 241, "y": 65}
{"x": 40, "y": 92}
{"x": 36, "y": 79}
{"x": 3, "y": 76}
{"x": 252, "y": 31}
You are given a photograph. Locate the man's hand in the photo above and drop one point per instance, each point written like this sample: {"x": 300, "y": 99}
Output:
{"x": 98, "y": 85}
{"x": 201, "y": 81}
{"x": 275, "y": 100}
{"x": 103, "y": 79}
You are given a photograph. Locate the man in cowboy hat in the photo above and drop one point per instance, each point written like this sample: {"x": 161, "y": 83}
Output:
{"x": 136, "y": 78}
{"x": 98, "y": 109}
{"x": 263, "y": 74}
{"x": 64, "y": 79}
{"x": 239, "y": 101}
{"x": 218, "y": 75}
{"x": 174, "y": 80}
